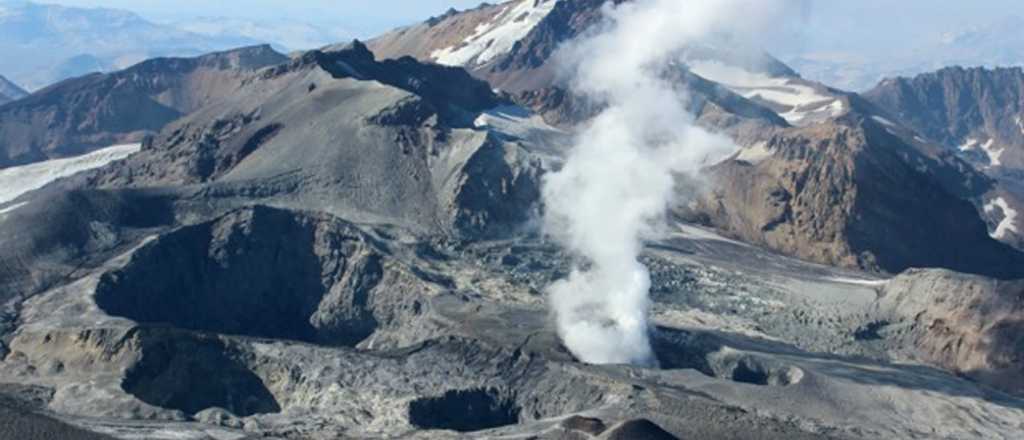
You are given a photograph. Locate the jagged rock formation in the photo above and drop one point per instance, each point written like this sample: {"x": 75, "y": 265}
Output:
{"x": 978, "y": 114}
{"x": 850, "y": 193}
{"x": 77, "y": 115}
{"x": 977, "y": 109}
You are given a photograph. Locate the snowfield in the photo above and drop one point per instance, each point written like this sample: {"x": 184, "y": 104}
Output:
{"x": 1008, "y": 223}
{"x": 800, "y": 100}
{"x": 497, "y": 36}
{"x": 16, "y": 181}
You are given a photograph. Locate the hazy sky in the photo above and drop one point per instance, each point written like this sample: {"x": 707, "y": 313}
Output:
{"x": 830, "y": 21}
{"x": 364, "y": 16}
{"x": 829, "y": 25}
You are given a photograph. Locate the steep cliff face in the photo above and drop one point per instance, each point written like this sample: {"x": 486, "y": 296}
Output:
{"x": 967, "y": 324}
{"x": 850, "y": 193}
{"x": 979, "y": 111}
{"x": 97, "y": 110}
{"x": 977, "y": 114}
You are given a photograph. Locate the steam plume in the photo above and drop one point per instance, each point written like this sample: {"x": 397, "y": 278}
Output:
{"x": 617, "y": 181}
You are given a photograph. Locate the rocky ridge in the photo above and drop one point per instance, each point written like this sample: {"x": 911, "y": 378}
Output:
{"x": 81, "y": 114}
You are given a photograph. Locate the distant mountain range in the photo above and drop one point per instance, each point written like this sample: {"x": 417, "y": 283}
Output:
{"x": 999, "y": 43}
{"x": 43, "y": 43}
{"x": 284, "y": 35}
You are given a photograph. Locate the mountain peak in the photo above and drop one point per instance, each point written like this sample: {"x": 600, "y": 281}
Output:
{"x": 10, "y": 91}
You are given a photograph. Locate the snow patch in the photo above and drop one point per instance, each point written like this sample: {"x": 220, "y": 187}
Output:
{"x": 1020, "y": 123}
{"x": 993, "y": 153}
{"x": 799, "y": 99}
{"x": 9, "y": 209}
{"x": 858, "y": 281}
{"x": 19, "y": 180}
{"x": 1008, "y": 223}
{"x": 968, "y": 145}
{"x": 523, "y": 124}
{"x": 883, "y": 121}
{"x": 754, "y": 153}
{"x": 498, "y": 36}
{"x": 511, "y": 119}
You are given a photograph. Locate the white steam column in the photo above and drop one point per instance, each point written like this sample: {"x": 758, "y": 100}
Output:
{"x": 618, "y": 179}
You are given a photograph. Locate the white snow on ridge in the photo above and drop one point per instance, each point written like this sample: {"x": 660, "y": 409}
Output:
{"x": 968, "y": 144}
{"x": 16, "y": 181}
{"x": 993, "y": 153}
{"x": 1008, "y": 223}
{"x": 883, "y": 121}
{"x": 800, "y": 99}
{"x": 1020, "y": 123}
{"x": 11, "y": 208}
{"x": 521, "y": 123}
{"x": 498, "y": 36}
{"x": 858, "y": 281}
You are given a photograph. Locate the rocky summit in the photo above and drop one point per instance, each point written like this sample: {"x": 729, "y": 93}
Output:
{"x": 352, "y": 242}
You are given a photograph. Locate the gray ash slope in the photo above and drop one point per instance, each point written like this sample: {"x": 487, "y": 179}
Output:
{"x": 389, "y": 141}
{"x": 344, "y": 248}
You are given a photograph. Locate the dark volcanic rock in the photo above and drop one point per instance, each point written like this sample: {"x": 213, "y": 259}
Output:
{"x": 46, "y": 241}
{"x": 639, "y": 429}
{"x": 77, "y": 115}
{"x": 262, "y": 272}
{"x": 194, "y": 373}
{"x": 443, "y": 88}
{"x": 464, "y": 410}
{"x": 588, "y": 425}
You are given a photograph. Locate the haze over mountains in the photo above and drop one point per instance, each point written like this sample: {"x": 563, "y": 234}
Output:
{"x": 10, "y": 91}
{"x": 46, "y": 43}
{"x": 347, "y": 242}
